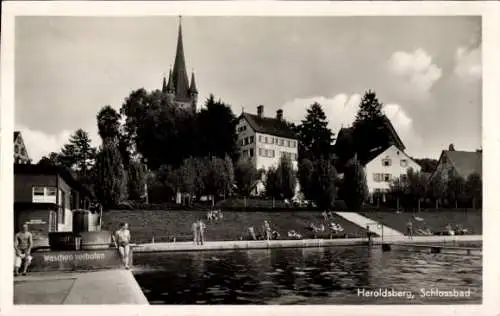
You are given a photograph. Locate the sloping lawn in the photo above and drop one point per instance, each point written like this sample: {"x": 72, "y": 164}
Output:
{"x": 435, "y": 220}
{"x": 164, "y": 224}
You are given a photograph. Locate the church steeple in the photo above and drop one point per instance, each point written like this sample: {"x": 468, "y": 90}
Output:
{"x": 192, "y": 87}
{"x": 179, "y": 75}
{"x": 170, "y": 86}
{"x": 164, "y": 85}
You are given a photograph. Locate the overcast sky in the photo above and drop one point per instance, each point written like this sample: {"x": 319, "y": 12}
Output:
{"x": 426, "y": 70}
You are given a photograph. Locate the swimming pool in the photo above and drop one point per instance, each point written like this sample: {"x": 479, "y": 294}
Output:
{"x": 334, "y": 275}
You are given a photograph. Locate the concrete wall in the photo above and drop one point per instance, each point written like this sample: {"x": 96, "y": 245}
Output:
{"x": 399, "y": 164}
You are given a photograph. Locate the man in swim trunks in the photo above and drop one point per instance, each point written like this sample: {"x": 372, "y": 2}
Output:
{"x": 121, "y": 239}
{"x": 22, "y": 245}
{"x": 409, "y": 229}
{"x": 201, "y": 231}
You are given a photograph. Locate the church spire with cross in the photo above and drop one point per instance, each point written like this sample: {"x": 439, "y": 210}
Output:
{"x": 184, "y": 94}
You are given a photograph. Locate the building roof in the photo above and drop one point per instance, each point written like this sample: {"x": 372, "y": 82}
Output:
{"x": 51, "y": 170}
{"x": 269, "y": 125}
{"x": 465, "y": 163}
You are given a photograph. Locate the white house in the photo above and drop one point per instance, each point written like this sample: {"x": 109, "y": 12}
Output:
{"x": 386, "y": 166}
{"x": 264, "y": 140}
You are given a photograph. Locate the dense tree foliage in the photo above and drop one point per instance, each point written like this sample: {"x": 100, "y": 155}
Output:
{"x": 416, "y": 186}
{"x": 305, "y": 177}
{"x": 455, "y": 189}
{"x": 428, "y": 165}
{"x": 324, "y": 184}
{"x": 78, "y": 154}
{"x": 354, "y": 188}
{"x": 474, "y": 189}
{"x": 315, "y": 138}
{"x": 246, "y": 176}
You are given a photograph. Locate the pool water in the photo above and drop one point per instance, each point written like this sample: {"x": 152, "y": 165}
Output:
{"x": 334, "y": 275}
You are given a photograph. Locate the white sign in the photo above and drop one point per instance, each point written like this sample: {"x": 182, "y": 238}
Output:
{"x": 36, "y": 221}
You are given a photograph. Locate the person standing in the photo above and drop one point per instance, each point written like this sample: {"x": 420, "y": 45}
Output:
{"x": 23, "y": 243}
{"x": 121, "y": 239}
{"x": 409, "y": 229}
{"x": 267, "y": 230}
{"x": 194, "y": 229}
{"x": 201, "y": 231}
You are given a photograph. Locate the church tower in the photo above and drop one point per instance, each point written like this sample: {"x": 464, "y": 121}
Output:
{"x": 178, "y": 88}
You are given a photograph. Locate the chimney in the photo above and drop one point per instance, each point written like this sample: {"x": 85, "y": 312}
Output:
{"x": 260, "y": 111}
{"x": 279, "y": 114}
{"x": 451, "y": 147}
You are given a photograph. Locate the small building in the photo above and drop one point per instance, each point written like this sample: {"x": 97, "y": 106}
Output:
{"x": 45, "y": 197}
{"x": 460, "y": 163}
{"x": 385, "y": 166}
{"x": 20, "y": 151}
{"x": 264, "y": 140}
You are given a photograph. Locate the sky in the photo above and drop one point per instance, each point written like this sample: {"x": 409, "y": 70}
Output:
{"x": 427, "y": 71}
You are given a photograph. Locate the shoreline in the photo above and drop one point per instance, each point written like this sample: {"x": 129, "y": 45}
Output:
{"x": 302, "y": 243}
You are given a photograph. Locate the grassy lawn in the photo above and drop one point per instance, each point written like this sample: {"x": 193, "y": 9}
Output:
{"x": 435, "y": 220}
{"x": 146, "y": 224}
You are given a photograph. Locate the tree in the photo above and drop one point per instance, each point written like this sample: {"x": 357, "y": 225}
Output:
{"x": 428, "y": 165}
{"x": 271, "y": 184}
{"x": 78, "y": 154}
{"x": 136, "y": 176}
{"x": 108, "y": 123}
{"x": 53, "y": 159}
{"x": 324, "y": 184}
{"x": 455, "y": 188}
{"x": 354, "y": 187}
{"x": 110, "y": 174}
{"x": 187, "y": 176}
{"x": 398, "y": 189}
{"x": 216, "y": 182}
{"x": 344, "y": 148}
{"x": 216, "y": 130}
{"x": 370, "y": 130}
{"x": 110, "y": 177}
{"x": 315, "y": 138}
{"x": 416, "y": 186}
{"x": 305, "y": 176}
{"x": 228, "y": 175}
{"x": 436, "y": 189}
{"x": 474, "y": 188}
{"x": 246, "y": 176}
{"x": 286, "y": 180}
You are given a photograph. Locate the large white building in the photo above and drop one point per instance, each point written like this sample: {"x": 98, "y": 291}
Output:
{"x": 264, "y": 140}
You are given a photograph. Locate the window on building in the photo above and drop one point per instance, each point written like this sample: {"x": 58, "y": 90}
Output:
{"x": 288, "y": 143}
{"x": 294, "y": 156}
{"x": 260, "y": 138}
{"x": 387, "y": 177}
{"x": 404, "y": 163}
{"x": 272, "y": 153}
{"x": 272, "y": 140}
{"x": 246, "y": 141}
{"x": 376, "y": 177}
{"x": 265, "y": 139}
{"x": 251, "y": 139}
{"x": 261, "y": 152}
{"x": 386, "y": 162}
{"x": 23, "y": 151}
{"x": 16, "y": 149}
{"x": 251, "y": 152}
{"x": 282, "y": 141}
{"x": 44, "y": 194}
{"x": 245, "y": 153}
{"x": 294, "y": 144}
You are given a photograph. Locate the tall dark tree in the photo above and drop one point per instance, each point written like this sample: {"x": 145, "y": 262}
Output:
{"x": 315, "y": 138}
{"x": 474, "y": 189}
{"x": 216, "y": 130}
{"x": 436, "y": 189}
{"x": 344, "y": 148}
{"x": 354, "y": 188}
{"x": 246, "y": 176}
{"x": 369, "y": 128}
{"x": 271, "y": 184}
{"x": 428, "y": 165}
{"x": 78, "y": 154}
{"x": 136, "y": 178}
{"x": 305, "y": 177}
{"x": 110, "y": 174}
{"x": 455, "y": 189}
{"x": 416, "y": 186}
{"x": 286, "y": 178}
{"x": 324, "y": 184}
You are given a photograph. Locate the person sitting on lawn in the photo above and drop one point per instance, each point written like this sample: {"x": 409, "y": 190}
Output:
{"x": 276, "y": 235}
{"x": 23, "y": 243}
{"x": 252, "y": 234}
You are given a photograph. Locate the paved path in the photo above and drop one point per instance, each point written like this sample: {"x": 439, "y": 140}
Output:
{"x": 376, "y": 227}
{"x": 101, "y": 287}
